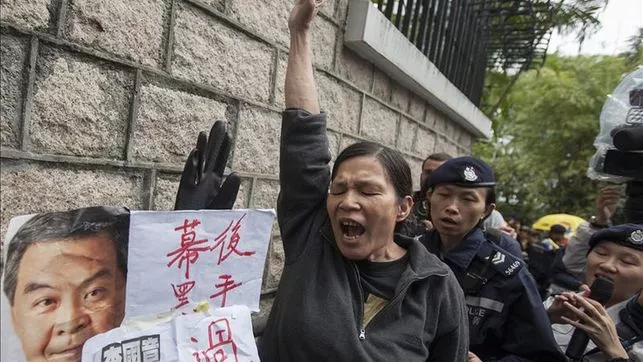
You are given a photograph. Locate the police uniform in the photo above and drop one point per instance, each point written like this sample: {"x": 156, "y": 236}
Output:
{"x": 507, "y": 321}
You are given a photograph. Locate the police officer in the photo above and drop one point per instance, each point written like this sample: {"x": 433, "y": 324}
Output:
{"x": 506, "y": 318}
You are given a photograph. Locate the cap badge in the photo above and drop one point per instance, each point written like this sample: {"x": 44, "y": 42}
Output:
{"x": 637, "y": 237}
{"x": 470, "y": 174}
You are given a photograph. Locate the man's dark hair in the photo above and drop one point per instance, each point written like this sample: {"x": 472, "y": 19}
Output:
{"x": 438, "y": 156}
{"x": 74, "y": 224}
{"x": 395, "y": 166}
{"x": 557, "y": 229}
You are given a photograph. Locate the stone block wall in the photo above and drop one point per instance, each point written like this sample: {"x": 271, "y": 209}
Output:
{"x": 101, "y": 101}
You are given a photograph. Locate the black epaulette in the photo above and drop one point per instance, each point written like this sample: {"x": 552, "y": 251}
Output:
{"x": 490, "y": 261}
{"x": 499, "y": 260}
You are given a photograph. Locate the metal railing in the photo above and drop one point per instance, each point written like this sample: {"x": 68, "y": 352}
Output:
{"x": 464, "y": 38}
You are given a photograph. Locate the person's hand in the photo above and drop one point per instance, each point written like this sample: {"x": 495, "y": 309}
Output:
{"x": 302, "y": 14}
{"x": 606, "y": 202}
{"x": 473, "y": 358}
{"x": 200, "y": 186}
{"x": 508, "y": 230}
{"x": 594, "y": 320}
{"x": 557, "y": 309}
{"x": 428, "y": 225}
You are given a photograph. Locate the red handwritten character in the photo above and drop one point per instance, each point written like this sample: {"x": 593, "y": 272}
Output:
{"x": 220, "y": 338}
{"x": 231, "y": 247}
{"x": 181, "y": 292}
{"x": 227, "y": 285}
{"x": 221, "y": 346}
{"x": 190, "y": 246}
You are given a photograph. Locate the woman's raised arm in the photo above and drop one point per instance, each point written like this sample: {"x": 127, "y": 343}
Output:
{"x": 304, "y": 173}
{"x": 300, "y": 91}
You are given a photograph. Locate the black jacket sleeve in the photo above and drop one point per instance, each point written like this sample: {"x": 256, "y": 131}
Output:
{"x": 452, "y": 345}
{"x": 559, "y": 274}
{"x": 528, "y": 333}
{"x": 304, "y": 176}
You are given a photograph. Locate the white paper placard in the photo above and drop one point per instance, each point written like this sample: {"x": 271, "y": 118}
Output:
{"x": 180, "y": 258}
{"x": 223, "y": 334}
{"x": 123, "y": 344}
{"x": 226, "y": 335}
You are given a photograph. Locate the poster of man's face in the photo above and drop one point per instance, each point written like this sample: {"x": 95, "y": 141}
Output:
{"x": 63, "y": 282}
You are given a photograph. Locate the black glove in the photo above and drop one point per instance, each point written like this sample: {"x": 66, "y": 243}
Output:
{"x": 200, "y": 186}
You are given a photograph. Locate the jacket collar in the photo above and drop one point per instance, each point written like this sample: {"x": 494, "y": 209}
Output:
{"x": 420, "y": 264}
{"x": 462, "y": 255}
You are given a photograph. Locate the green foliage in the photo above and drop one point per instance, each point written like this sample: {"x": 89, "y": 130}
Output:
{"x": 544, "y": 129}
{"x": 577, "y": 17}
{"x": 634, "y": 55}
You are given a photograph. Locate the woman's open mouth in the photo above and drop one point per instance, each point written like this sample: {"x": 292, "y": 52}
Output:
{"x": 351, "y": 229}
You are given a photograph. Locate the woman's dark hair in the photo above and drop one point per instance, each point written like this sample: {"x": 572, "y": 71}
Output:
{"x": 395, "y": 166}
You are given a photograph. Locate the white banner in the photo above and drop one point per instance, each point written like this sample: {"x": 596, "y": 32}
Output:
{"x": 181, "y": 258}
{"x": 223, "y": 334}
{"x": 66, "y": 274}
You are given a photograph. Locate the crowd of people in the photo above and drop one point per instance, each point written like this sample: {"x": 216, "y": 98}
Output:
{"x": 373, "y": 270}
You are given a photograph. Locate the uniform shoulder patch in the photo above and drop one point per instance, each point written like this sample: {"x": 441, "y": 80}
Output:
{"x": 501, "y": 261}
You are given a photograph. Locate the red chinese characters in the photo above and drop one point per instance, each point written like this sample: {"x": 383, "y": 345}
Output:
{"x": 221, "y": 346}
{"x": 225, "y": 245}
{"x": 225, "y": 249}
{"x": 181, "y": 292}
{"x": 190, "y": 246}
{"x": 224, "y": 287}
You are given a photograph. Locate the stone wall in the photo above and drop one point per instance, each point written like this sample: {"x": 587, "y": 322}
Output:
{"x": 101, "y": 101}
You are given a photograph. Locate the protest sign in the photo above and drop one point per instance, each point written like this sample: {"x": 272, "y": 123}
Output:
{"x": 66, "y": 274}
{"x": 223, "y": 334}
{"x": 63, "y": 281}
{"x": 177, "y": 259}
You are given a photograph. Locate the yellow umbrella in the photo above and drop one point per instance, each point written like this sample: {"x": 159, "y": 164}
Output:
{"x": 570, "y": 222}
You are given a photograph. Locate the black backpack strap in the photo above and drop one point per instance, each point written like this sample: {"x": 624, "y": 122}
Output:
{"x": 476, "y": 276}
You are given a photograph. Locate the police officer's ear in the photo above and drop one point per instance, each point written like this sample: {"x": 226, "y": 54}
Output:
{"x": 404, "y": 208}
{"x": 487, "y": 211}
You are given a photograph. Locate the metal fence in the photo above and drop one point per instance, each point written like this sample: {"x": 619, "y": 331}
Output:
{"x": 464, "y": 38}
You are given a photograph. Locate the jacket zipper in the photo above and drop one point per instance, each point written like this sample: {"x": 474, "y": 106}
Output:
{"x": 392, "y": 301}
{"x": 361, "y": 327}
{"x": 360, "y": 321}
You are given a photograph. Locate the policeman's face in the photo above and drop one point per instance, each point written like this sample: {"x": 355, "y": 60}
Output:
{"x": 621, "y": 264}
{"x": 427, "y": 169}
{"x": 363, "y": 208}
{"x": 456, "y": 210}
{"x": 67, "y": 291}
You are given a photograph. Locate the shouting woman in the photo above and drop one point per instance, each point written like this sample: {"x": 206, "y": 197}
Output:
{"x": 351, "y": 289}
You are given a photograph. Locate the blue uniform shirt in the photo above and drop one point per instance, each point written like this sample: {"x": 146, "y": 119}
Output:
{"x": 507, "y": 320}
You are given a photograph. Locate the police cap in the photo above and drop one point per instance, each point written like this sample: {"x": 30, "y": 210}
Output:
{"x": 630, "y": 235}
{"x": 464, "y": 171}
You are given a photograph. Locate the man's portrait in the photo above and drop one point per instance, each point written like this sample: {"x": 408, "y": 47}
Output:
{"x": 64, "y": 280}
